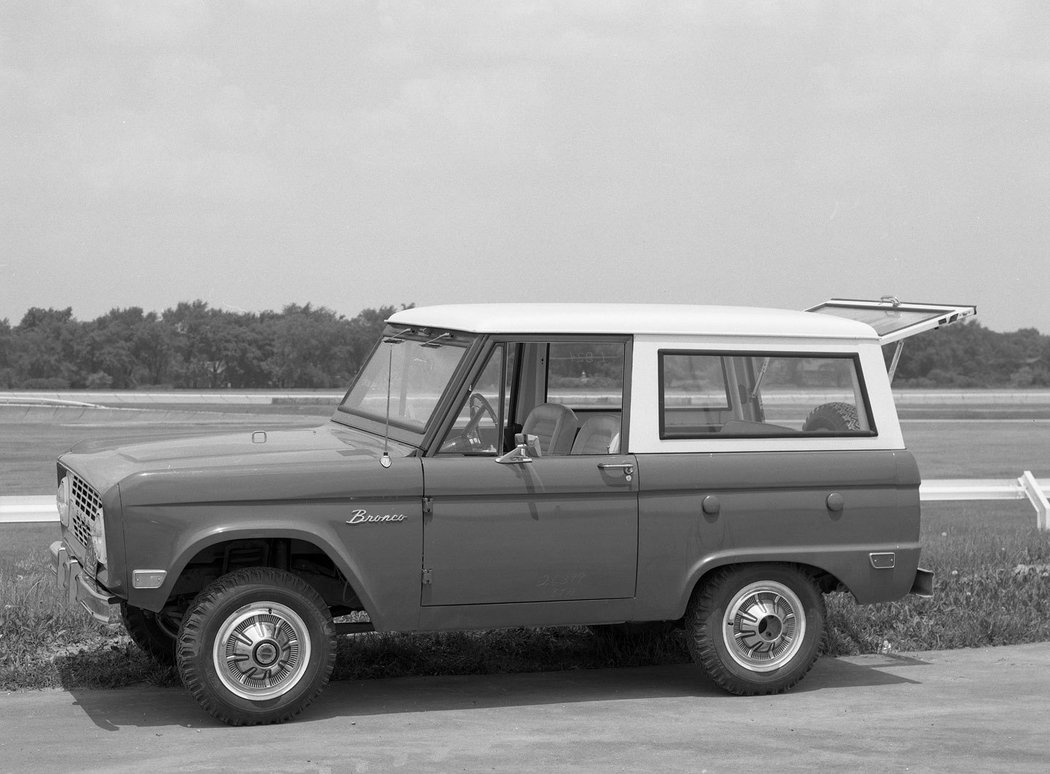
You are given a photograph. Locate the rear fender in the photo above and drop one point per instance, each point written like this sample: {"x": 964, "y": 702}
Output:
{"x": 850, "y": 566}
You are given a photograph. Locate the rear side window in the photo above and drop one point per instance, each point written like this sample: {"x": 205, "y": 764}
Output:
{"x": 734, "y": 395}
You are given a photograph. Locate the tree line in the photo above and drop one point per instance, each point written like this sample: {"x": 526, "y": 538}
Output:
{"x": 191, "y": 346}
{"x": 969, "y": 355}
{"x": 194, "y": 346}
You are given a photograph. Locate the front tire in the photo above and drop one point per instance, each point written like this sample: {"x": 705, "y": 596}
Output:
{"x": 256, "y": 646}
{"x": 151, "y": 632}
{"x": 756, "y": 629}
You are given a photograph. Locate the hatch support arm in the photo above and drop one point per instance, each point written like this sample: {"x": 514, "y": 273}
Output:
{"x": 896, "y": 358}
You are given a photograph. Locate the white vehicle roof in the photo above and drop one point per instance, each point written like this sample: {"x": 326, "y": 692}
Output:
{"x": 646, "y": 319}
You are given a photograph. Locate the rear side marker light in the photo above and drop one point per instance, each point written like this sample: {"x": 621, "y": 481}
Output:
{"x": 883, "y": 561}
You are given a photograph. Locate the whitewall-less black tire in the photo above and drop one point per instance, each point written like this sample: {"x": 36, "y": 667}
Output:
{"x": 756, "y": 629}
{"x": 150, "y": 632}
{"x": 256, "y": 646}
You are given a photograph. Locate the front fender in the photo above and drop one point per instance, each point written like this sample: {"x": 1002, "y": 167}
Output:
{"x": 380, "y": 559}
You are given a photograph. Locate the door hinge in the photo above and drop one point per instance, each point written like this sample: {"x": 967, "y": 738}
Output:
{"x": 428, "y": 506}
{"x": 426, "y": 577}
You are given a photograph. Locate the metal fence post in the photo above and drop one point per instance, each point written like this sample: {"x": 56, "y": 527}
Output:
{"x": 1036, "y": 496}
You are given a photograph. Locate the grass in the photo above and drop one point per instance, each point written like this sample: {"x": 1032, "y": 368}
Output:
{"x": 990, "y": 449}
{"x": 992, "y": 584}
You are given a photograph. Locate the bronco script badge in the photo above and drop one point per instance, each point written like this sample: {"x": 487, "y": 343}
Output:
{"x": 364, "y": 517}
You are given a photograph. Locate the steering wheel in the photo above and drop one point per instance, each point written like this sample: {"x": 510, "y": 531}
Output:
{"x": 479, "y": 407}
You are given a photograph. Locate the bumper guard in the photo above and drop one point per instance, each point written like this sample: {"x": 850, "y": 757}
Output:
{"x": 79, "y": 587}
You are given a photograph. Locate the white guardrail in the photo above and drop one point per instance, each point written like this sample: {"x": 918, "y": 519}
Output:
{"x": 28, "y": 510}
{"x": 947, "y": 489}
{"x": 41, "y": 508}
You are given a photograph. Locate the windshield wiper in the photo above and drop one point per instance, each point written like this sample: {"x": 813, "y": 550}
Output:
{"x": 395, "y": 338}
{"x": 431, "y": 344}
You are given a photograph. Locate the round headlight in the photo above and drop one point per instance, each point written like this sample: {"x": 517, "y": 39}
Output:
{"x": 62, "y": 501}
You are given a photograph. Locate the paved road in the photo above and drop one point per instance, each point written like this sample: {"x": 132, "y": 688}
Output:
{"x": 945, "y": 711}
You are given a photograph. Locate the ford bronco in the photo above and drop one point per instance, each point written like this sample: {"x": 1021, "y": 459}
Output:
{"x": 522, "y": 465}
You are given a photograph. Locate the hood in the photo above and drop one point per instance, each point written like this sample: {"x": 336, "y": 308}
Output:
{"x": 106, "y": 463}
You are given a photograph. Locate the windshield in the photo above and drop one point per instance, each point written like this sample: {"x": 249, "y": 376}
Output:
{"x": 406, "y": 375}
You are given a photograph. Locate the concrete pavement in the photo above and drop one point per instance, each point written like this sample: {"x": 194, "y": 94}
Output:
{"x": 944, "y": 711}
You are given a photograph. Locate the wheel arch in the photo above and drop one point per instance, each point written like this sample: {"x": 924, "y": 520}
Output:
{"x": 825, "y": 579}
{"x": 192, "y": 552}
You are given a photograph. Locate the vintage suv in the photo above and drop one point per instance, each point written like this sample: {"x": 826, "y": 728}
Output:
{"x": 522, "y": 465}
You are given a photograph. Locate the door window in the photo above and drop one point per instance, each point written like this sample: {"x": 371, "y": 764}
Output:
{"x": 569, "y": 394}
{"x": 478, "y": 428}
{"x": 586, "y": 375}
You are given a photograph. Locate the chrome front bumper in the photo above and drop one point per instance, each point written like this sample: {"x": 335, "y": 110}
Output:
{"x": 80, "y": 588}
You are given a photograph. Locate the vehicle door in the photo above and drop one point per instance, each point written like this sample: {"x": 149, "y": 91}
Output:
{"x": 554, "y": 519}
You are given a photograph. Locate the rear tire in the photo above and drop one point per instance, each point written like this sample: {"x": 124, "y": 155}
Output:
{"x": 256, "y": 646}
{"x": 756, "y": 629}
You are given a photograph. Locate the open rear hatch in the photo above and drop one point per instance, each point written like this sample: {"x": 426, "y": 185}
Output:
{"x": 895, "y": 320}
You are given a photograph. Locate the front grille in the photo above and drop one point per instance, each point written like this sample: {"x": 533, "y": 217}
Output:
{"x": 85, "y": 505}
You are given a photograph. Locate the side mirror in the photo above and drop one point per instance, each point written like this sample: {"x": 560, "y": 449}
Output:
{"x": 527, "y": 447}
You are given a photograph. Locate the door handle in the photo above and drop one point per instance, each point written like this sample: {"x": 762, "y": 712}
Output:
{"x": 626, "y": 467}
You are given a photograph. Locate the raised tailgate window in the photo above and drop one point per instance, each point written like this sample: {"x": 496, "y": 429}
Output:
{"x": 885, "y": 320}
{"x": 894, "y": 320}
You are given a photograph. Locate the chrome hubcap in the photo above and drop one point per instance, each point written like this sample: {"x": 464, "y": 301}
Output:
{"x": 764, "y": 626}
{"x": 262, "y": 650}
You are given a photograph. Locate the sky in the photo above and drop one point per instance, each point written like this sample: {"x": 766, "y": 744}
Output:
{"x": 359, "y": 154}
